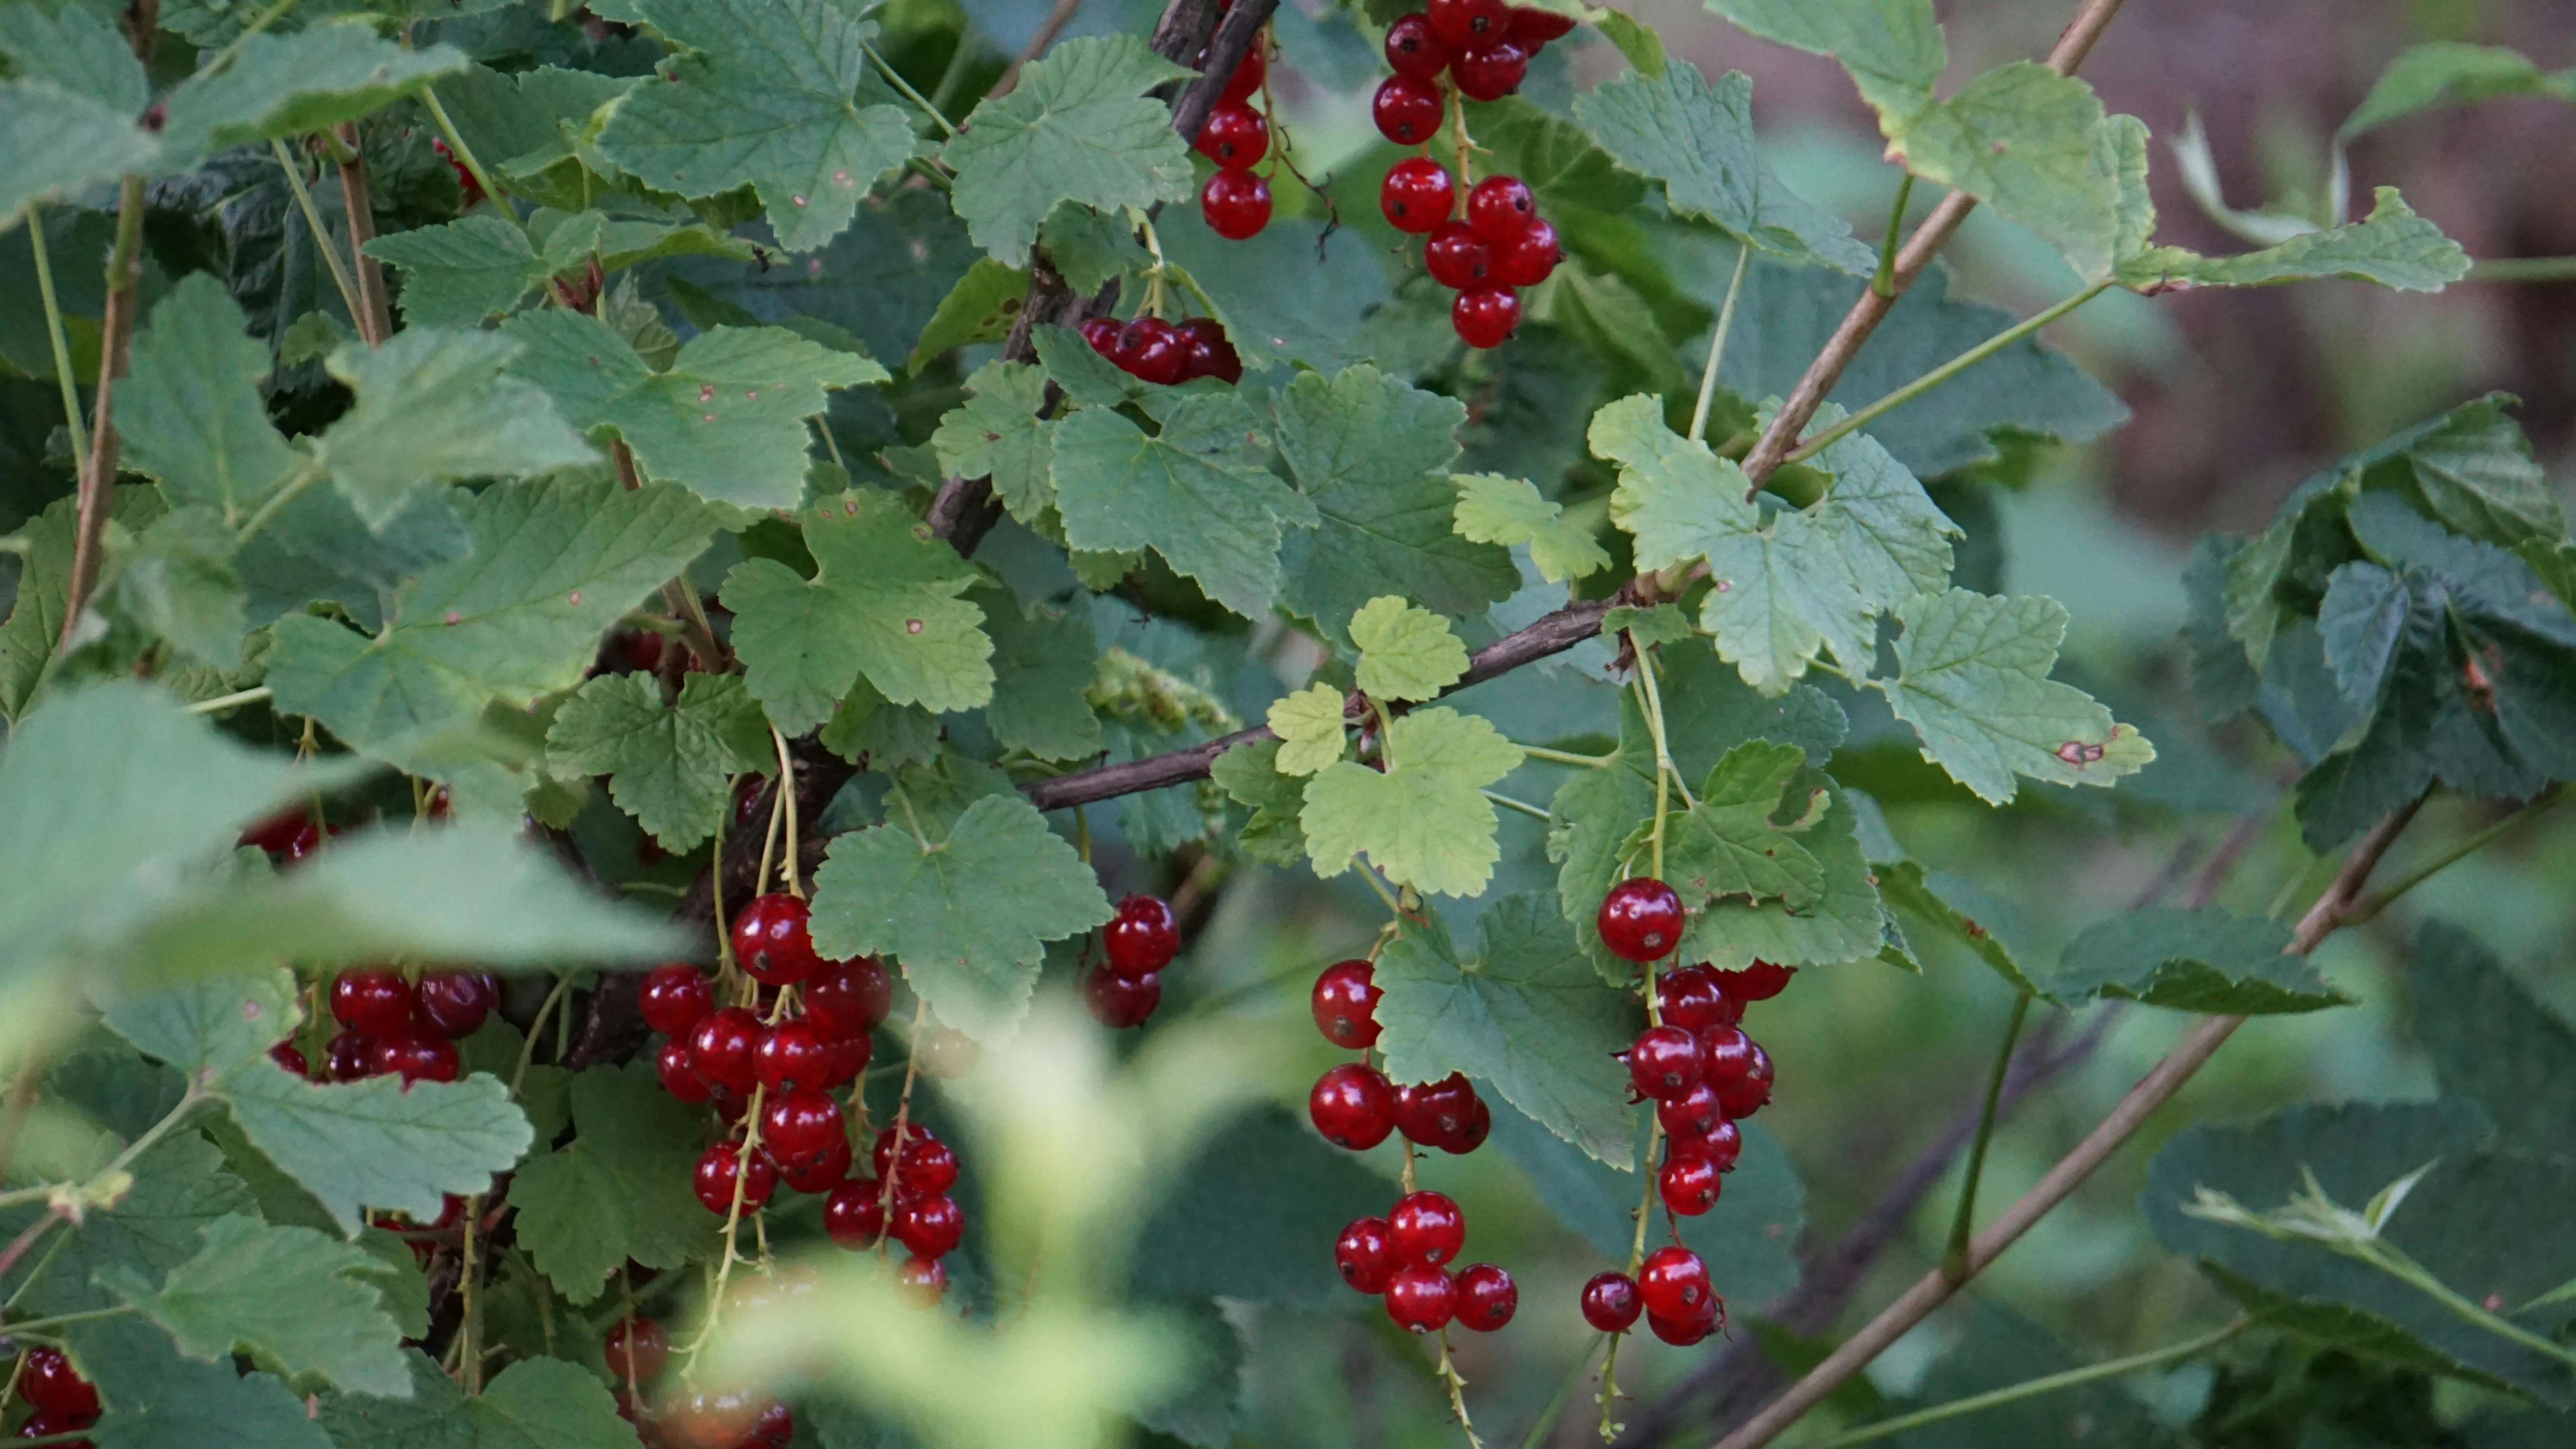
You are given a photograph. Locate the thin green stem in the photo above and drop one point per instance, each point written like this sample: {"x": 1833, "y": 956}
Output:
{"x": 954, "y": 75}
{"x": 54, "y": 334}
{"x": 321, "y": 237}
{"x": 1523, "y": 806}
{"x": 2380, "y": 899}
{"x": 1369, "y": 873}
{"x": 232, "y": 47}
{"x": 536, "y": 1024}
{"x": 1884, "y": 283}
{"x": 1567, "y": 757}
{"x": 1954, "y": 1258}
{"x": 2034, "y": 1388}
{"x": 312, "y": 473}
{"x": 2295, "y": 888}
{"x": 1717, "y": 343}
{"x": 65, "y": 1320}
{"x": 221, "y": 702}
{"x": 2523, "y": 269}
{"x": 2406, "y": 1270}
{"x": 465, "y": 155}
{"x": 1944, "y": 373}
{"x": 895, "y": 79}
{"x": 1546, "y": 1419}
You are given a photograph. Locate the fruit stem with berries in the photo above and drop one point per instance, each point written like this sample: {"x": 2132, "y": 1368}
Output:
{"x": 902, "y": 1119}
{"x": 1717, "y": 343}
{"x": 1464, "y": 144}
{"x": 1954, "y": 1258}
{"x": 743, "y": 1157}
{"x": 1457, "y": 1386}
{"x": 787, "y": 799}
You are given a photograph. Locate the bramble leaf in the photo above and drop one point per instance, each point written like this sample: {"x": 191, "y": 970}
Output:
{"x": 670, "y": 767}
{"x": 1972, "y": 678}
{"x": 1406, "y": 653}
{"x": 1494, "y": 509}
{"x": 1198, "y": 493}
{"x": 1078, "y": 127}
{"x": 1423, "y": 820}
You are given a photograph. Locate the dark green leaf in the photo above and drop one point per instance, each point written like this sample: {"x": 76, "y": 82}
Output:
{"x": 619, "y": 1190}
{"x": 2490, "y": 1040}
{"x": 1254, "y": 1214}
{"x": 2207, "y": 960}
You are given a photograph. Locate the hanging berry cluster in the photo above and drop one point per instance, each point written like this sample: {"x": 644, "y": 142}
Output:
{"x": 391, "y": 1025}
{"x": 64, "y": 1402}
{"x": 1170, "y": 353}
{"x": 1236, "y": 200}
{"x": 1136, "y": 945}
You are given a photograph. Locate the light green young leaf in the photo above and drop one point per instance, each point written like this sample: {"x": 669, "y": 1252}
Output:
{"x": 670, "y": 768}
{"x": 2020, "y": 138}
{"x": 1679, "y": 500}
{"x": 1308, "y": 723}
{"x": 2392, "y": 246}
{"x": 1406, "y": 652}
{"x": 2206, "y": 960}
{"x": 288, "y": 85}
{"x": 727, "y": 420}
{"x": 1198, "y": 493}
{"x": 1526, "y": 1014}
{"x": 980, "y": 308}
{"x": 1424, "y": 820}
{"x": 1972, "y": 678}
{"x": 761, "y": 94}
{"x": 1495, "y": 509}
{"x": 883, "y": 603}
{"x": 618, "y": 1190}
{"x": 291, "y": 1298}
{"x": 2448, "y": 72}
{"x": 932, "y": 906}
{"x": 1078, "y": 127}
{"x": 1893, "y": 48}
{"x": 997, "y": 433}
{"x": 535, "y": 1403}
{"x": 434, "y": 405}
{"x": 189, "y": 411}
{"x": 1251, "y": 775}
{"x": 1661, "y": 624}
{"x": 1733, "y": 842}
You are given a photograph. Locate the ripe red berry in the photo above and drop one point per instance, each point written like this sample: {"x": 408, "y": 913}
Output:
{"x": 672, "y": 1067}
{"x": 456, "y": 1002}
{"x": 676, "y": 997}
{"x": 1528, "y": 259}
{"x": 924, "y": 1279}
{"x": 349, "y": 1055}
{"x": 848, "y": 998}
{"x": 1689, "y": 1183}
{"x": 929, "y": 1165}
{"x": 1425, "y": 1227}
{"x": 1247, "y": 76}
{"x": 1501, "y": 208}
{"x": 1749, "y": 1093}
{"x": 1147, "y": 350}
{"x": 1725, "y": 1053}
{"x": 1413, "y": 50}
{"x": 1466, "y": 24}
{"x": 1490, "y": 72}
{"x": 1681, "y": 1333}
{"x": 41, "y": 1426}
{"x": 819, "y": 1172}
{"x": 416, "y": 1056}
{"x": 1236, "y": 203}
{"x": 465, "y": 181}
{"x": 1406, "y": 109}
{"x": 1352, "y": 1106}
{"x": 1690, "y": 998}
{"x": 1117, "y": 1002}
{"x": 1610, "y": 1302}
{"x": 1235, "y": 135}
{"x": 1641, "y": 919}
{"x": 791, "y": 1055}
{"x": 1721, "y": 1147}
{"x": 1421, "y": 1297}
{"x": 844, "y": 1059}
{"x": 720, "y": 1049}
{"x": 637, "y": 1348}
{"x": 800, "y": 1124}
{"x": 854, "y": 1215}
{"x": 881, "y": 1155}
{"x": 1363, "y": 1255}
{"x": 931, "y": 1224}
{"x": 1435, "y": 1112}
{"x": 1417, "y": 194}
{"x": 1487, "y": 1297}
{"x": 1345, "y": 1004}
{"x": 290, "y": 1056}
{"x": 1664, "y": 1062}
{"x": 377, "y": 1003}
{"x": 48, "y": 1381}
{"x": 1674, "y": 1283}
{"x": 714, "y": 1179}
{"x": 1530, "y": 27}
{"x": 771, "y": 941}
{"x": 1485, "y": 316}
{"x": 1457, "y": 257}
{"x": 1758, "y": 982}
{"x": 1143, "y": 937}
{"x": 1210, "y": 354}
{"x": 1479, "y": 1127}
{"x": 288, "y": 836}
{"x": 1692, "y": 1115}
{"x": 1102, "y": 334}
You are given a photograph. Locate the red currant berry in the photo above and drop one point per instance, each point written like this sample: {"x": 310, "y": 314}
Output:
{"x": 1367, "y": 1263}
{"x": 465, "y": 182}
{"x": 1421, "y": 1297}
{"x": 676, "y": 997}
{"x": 1641, "y": 919}
{"x": 1487, "y": 1297}
{"x": 1501, "y": 208}
{"x": 1416, "y": 195}
{"x": 48, "y": 1381}
{"x": 1530, "y": 258}
{"x": 721, "y": 1050}
{"x": 1236, "y": 204}
{"x": 1235, "y": 135}
{"x": 1674, "y": 1283}
{"x": 1118, "y": 1002}
{"x": 1479, "y": 1127}
{"x": 290, "y": 1056}
{"x": 1435, "y": 1112}
{"x": 289, "y": 835}
{"x": 1457, "y": 257}
{"x": 1490, "y": 72}
{"x": 1664, "y": 1062}
{"x": 771, "y": 941}
{"x": 1425, "y": 1227}
{"x": 376, "y": 1003}
{"x": 41, "y": 1426}
{"x": 1414, "y": 51}
{"x": 1681, "y": 1333}
{"x": 1143, "y": 937}
{"x": 1689, "y": 1183}
{"x": 854, "y": 1215}
{"x": 1692, "y": 1000}
{"x": 701, "y": 1420}
{"x": 930, "y": 1224}
{"x": 1610, "y": 1302}
{"x": 848, "y": 998}
{"x": 1485, "y": 316}
{"x": 1750, "y": 1092}
{"x": 1352, "y": 1106}
{"x": 820, "y": 1172}
{"x": 924, "y": 1279}
{"x": 637, "y": 651}
{"x": 928, "y": 1166}
{"x": 800, "y": 1124}
{"x": 844, "y": 1059}
{"x": 1210, "y": 354}
{"x": 1247, "y": 76}
{"x": 417, "y": 1056}
{"x": 456, "y": 1002}
{"x": 1345, "y": 1004}
{"x": 1692, "y": 1115}
{"x": 881, "y": 1155}
{"x": 1102, "y": 334}
{"x": 1406, "y": 109}
{"x": 1722, "y": 1146}
{"x": 1148, "y": 350}
{"x": 774, "y": 1429}
{"x": 349, "y": 1055}
{"x": 1725, "y": 1053}
{"x": 672, "y": 1067}
{"x": 637, "y": 1348}
{"x": 1466, "y": 24}
{"x": 791, "y": 1055}
{"x": 1758, "y": 982}
{"x": 1530, "y": 27}
{"x": 714, "y": 1179}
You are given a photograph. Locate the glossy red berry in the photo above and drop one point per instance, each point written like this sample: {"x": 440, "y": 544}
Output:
{"x": 1480, "y": 1125}
{"x": 1345, "y": 1004}
{"x": 848, "y": 998}
{"x": 676, "y": 997}
{"x": 1758, "y": 982}
{"x": 930, "y": 1224}
{"x": 1487, "y": 1297}
{"x": 1456, "y": 257}
{"x": 1143, "y": 937}
{"x": 1681, "y": 1333}
{"x": 637, "y": 1348}
{"x": 1102, "y": 334}
{"x": 714, "y": 1179}
{"x": 1530, "y": 27}
{"x": 1528, "y": 259}
{"x": 1247, "y": 76}
{"x": 1413, "y": 50}
{"x": 290, "y": 1056}
{"x": 1210, "y": 353}
{"x": 1236, "y": 203}
{"x": 1721, "y": 1147}
{"x": 1688, "y": 1184}
{"x": 790, "y": 1055}
{"x": 929, "y": 1165}
{"x": 1610, "y": 1302}
{"x": 1691, "y": 998}
{"x": 924, "y": 1279}
{"x": 1352, "y": 1106}
{"x": 672, "y": 1067}
{"x": 854, "y": 1215}
{"x": 287, "y": 836}
{"x": 1692, "y": 1115}
{"x": 1664, "y": 1062}
{"x": 377, "y": 1003}
{"x": 1725, "y": 1053}
{"x": 48, "y": 1381}
{"x": 1364, "y": 1256}
{"x": 1501, "y": 208}
{"x": 845, "y": 1058}
{"x": 818, "y": 1172}
{"x": 43, "y": 1426}
{"x": 1119, "y": 1002}
{"x": 1425, "y": 1227}
{"x": 1466, "y": 24}
{"x": 1417, "y": 194}
{"x": 1406, "y": 109}
{"x": 1674, "y": 1283}
{"x": 721, "y": 1048}
{"x": 881, "y": 1155}
{"x": 417, "y": 1056}
{"x": 1490, "y": 72}
{"x": 1485, "y": 316}
{"x": 349, "y": 1055}
{"x": 1435, "y": 1112}
{"x": 771, "y": 941}
{"x": 456, "y": 1002}
{"x": 800, "y": 1124}
{"x": 1749, "y": 1093}
{"x": 774, "y": 1429}
{"x": 1148, "y": 350}
{"x": 1421, "y": 1297}
{"x": 1641, "y": 918}
{"x": 1235, "y": 135}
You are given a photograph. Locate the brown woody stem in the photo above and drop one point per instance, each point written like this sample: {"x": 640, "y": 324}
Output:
{"x": 98, "y": 470}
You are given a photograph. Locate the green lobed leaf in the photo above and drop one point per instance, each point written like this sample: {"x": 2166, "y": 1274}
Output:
{"x": 669, "y": 767}
{"x": 1846, "y": 923}
{"x": 77, "y": 50}
{"x": 464, "y": 270}
{"x": 1494, "y": 509}
{"x": 1309, "y": 724}
{"x": 189, "y": 411}
{"x": 997, "y": 433}
{"x": 1242, "y": 1219}
{"x": 1251, "y": 775}
{"x": 1972, "y": 678}
{"x": 2489, "y": 1039}
{"x": 286, "y": 85}
{"x": 1424, "y": 819}
{"x": 1043, "y": 661}
{"x": 60, "y": 143}
{"x": 1406, "y": 653}
{"x": 1893, "y": 48}
{"x": 535, "y": 1403}
{"x": 2392, "y": 247}
{"x": 2021, "y": 138}
{"x": 1735, "y": 842}
{"x": 980, "y": 308}
{"x": 1943, "y": 901}
{"x": 618, "y": 1191}
{"x": 290, "y": 1298}
{"x": 2206, "y": 959}
{"x": 1079, "y": 127}
{"x": 435, "y": 405}
{"x": 2449, "y": 72}
{"x": 1648, "y": 627}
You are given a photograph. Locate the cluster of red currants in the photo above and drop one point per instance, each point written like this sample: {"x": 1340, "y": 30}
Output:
{"x": 64, "y": 1402}
{"x": 1400, "y": 1256}
{"x": 637, "y": 1349}
{"x": 1355, "y": 1106}
{"x": 1170, "y": 353}
{"x": 392, "y": 1026}
{"x": 1235, "y": 200}
{"x": 1484, "y": 45}
{"x": 1136, "y": 945}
